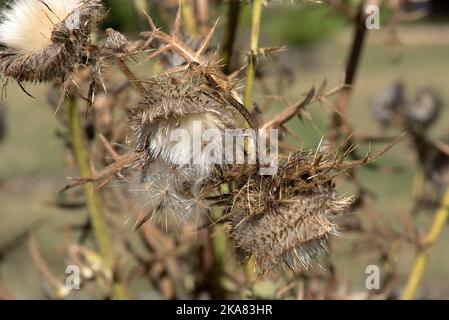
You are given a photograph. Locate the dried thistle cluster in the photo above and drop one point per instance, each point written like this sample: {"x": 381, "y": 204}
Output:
{"x": 287, "y": 218}
{"x": 392, "y": 108}
{"x": 284, "y": 217}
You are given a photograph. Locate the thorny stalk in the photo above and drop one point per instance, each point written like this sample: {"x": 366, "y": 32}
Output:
{"x": 339, "y": 121}
{"x": 99, "y": 226}
{"x": 250, "y": 267}
{"x": 254, "y": 46}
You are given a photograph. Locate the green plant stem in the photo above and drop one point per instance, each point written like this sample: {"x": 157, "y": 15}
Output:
{"x": 140, "y": 7}
{"x": 93, "y": 201}
{"x": 188, "y": 18}
{"x": 219, "y": 253}
{"x": 419, "y": 264}
{"x": 254, "y": 47}
{"x": 250, "y": 271}
{"x": 250, "y": 266}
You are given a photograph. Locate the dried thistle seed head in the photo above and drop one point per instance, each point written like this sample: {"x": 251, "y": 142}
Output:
{"x": 388, "y": 104}
{"x": 260, "y": 194}
{"x": 293, "y": 233}
{"x": 172, "y": 118}
{"x": 181, "y": 94}
{"x": 425, "y": 109}
{"x": 41, "y": 40}
{"x": 163, "y": 143}
{"x": 27, "y": 26}
{"x": 287, "y": 217}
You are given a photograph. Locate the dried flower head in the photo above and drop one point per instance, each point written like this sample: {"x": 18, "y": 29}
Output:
{"x": 287, "y": 217}
{"x": 183, "y": 101}
{"x": 115, "y": 41}
{"x": 169, "y": 121}
{"x": 389, "y": 104}
{"x": 43, "y": 40}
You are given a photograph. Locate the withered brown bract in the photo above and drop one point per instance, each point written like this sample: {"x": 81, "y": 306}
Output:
{"x": 181, "y": 94}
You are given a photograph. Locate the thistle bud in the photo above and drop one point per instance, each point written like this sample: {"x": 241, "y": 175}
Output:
{"x": 43, "y": 40}
{"x": 388, "y": 104}
{"x": 115, "y": 41}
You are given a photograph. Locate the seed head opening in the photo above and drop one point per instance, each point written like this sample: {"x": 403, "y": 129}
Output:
{"x": 172, "y": 115}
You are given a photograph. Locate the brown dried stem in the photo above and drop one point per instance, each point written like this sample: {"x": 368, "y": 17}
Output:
{"x": 230, "y": 34}
{"x": 339, "y": 122}
{"x": 6, "y": 294}
{"x": 104, "y": 176}
{"x": 61, "y": 292}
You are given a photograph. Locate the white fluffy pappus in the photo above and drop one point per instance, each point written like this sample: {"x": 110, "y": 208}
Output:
{"x": 26, "y": 25}
{"x": 193, "y": 142}
{"x": 163, "y": 191}
{"x": 171, "y": 185}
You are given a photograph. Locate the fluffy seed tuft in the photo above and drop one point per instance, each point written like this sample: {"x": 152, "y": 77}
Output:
{"x": 43, "y": 40}
{"x": 28, "y": 24}
{"x": 175, "y": 102}
{"x": 174, "y": 173}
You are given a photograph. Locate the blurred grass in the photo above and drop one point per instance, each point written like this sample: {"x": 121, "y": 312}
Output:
{"x": 296, "y": 24}
{"x": 30, "y": 147}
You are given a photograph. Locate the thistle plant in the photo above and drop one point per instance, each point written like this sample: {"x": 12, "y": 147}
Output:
{"x": 171, "y": 85}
